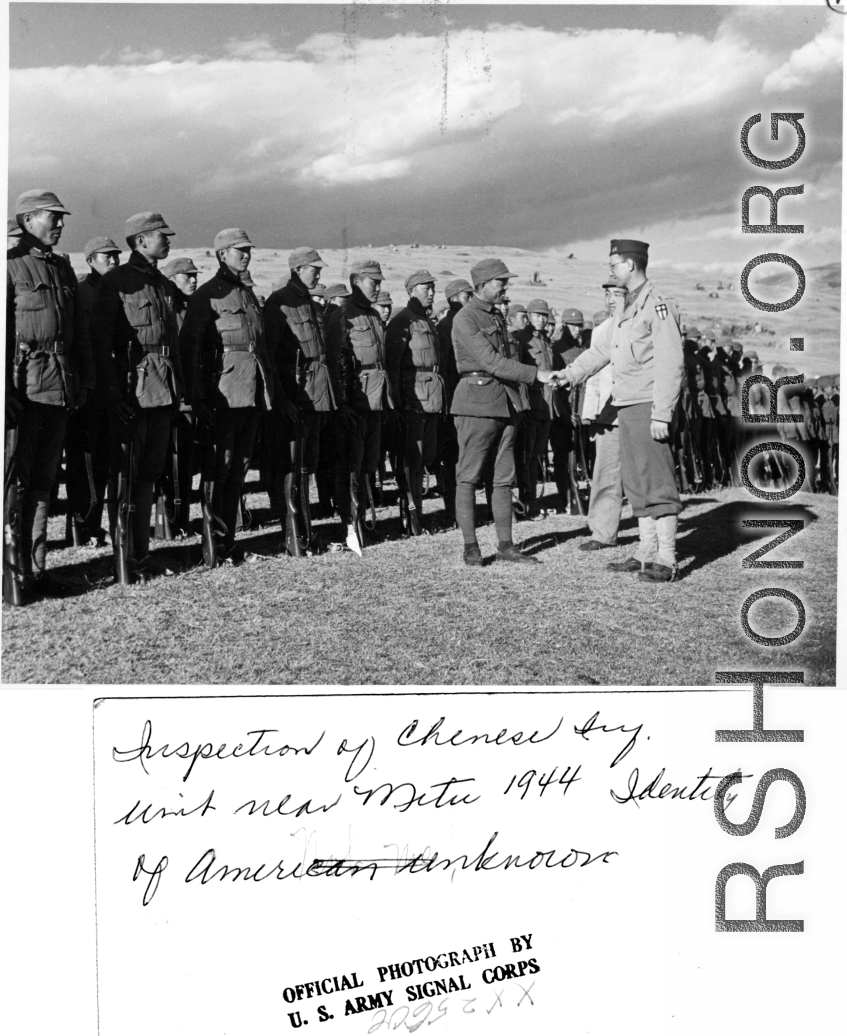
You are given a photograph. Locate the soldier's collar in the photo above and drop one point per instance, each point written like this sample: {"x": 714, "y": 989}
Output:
{"x": 479, "y": 303}
{"x": 416, "y": 306}
{"x": 137, "y": 260}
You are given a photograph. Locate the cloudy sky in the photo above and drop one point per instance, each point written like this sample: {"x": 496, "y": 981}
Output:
{"x": 343, "y": 125}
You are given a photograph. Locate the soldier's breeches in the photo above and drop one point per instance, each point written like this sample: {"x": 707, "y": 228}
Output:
{"x": 647, "y": 468}
{"x": 483, "y": 441}
{"x": 41, "y": 430}
{"x": 421, "y": 440}
{"x": 604, "y": 509}
{"x": 235, "y": 435}
{"x": 561, "y": 442}
{"x": 313, "y": 426}
{"x": 371, "y": 440}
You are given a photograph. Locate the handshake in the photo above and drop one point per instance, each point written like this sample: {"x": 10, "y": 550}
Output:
{"x": 556, "y": 378}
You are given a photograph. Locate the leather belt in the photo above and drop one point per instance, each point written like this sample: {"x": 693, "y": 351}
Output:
{"x": 43, "y": 347}
{"x": 251, "y": 348}
{"x": 163, "y": 350}
{"x": 427, "y": 370}
{"x": 308, "y": 360}
{"x": 475, "y": 374}
{"x": 371, "y": 367}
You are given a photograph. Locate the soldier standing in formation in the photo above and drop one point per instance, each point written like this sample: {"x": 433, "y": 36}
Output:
{"x": 48, "y": 366}
{"x": 413, "y": 358}
{"x": 457, "y": 293}
{"x": 87, "y": 447}
{"x": 138, "y": 371}
{"x": 229, "y": 374}
{"x": 298, "y": 346}
{"x": 356, "y": 357}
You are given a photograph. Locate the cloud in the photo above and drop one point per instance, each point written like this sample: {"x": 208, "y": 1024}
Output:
{"x": 825, "y": 53}
{"x": 504, "y": 133}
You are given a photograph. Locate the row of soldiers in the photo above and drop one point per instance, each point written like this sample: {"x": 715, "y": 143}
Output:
{"x": 135, "y": 367}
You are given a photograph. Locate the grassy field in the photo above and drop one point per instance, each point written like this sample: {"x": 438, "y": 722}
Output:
{"x": 410, "y": 612}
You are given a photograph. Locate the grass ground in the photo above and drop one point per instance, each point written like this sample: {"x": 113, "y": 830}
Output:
{"x": 410, "y": 612}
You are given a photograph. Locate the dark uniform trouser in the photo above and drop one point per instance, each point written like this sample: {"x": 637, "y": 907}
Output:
{"x": 530, "y": 447}
{"x": 448, "y": 455}
{"x": 421, "y": 448}
{"x": 358, "y": 450}
{"x": 149, "y": 429}
{"x": 235, "y": 433}
{"x": 92, "y": 426}
{"x": 41, "y": 430}
{"x": 561, "y": 442}
{"x": 183, "y": 427}
{"x": 483, "y": 440}
{"x": 647, "y": 469}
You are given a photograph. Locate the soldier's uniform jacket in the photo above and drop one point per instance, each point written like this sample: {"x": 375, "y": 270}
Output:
{"x": 536, "y": 349}
{"x": 490, "y": 378}
{"x": 224, "y": 347}
{"x": 444, "y": 330}
{"x": 645, "y": 353}
{"x": 133, "y": 321}
{"x": 297, "y": 344}
{"x": 356, "y": 353}
{"x": 45, "y": 327}
{"x": 714, "y": 383}
{"x": 699, "y": 383}
{"x": 180, "y": 308}
{"x": 829, "y": 412}
{"x": 731, "y": 385}
{"x": 87, "y": 291}
{"x": 413, "y": 359}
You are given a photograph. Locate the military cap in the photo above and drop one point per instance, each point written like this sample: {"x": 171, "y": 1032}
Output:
{"x": 455, "y": 287}
{"x": 736, "y": 347}
{"x": 609, "y": 283}
{"x": 440, "y": 307}
{"x": 304, "y": 257}
{"x": 516, "y": 308}
{"x": 633, "y": 247}
{"x": 336, "y": 291}
{"x": 489, "y": 270}
{"x": 367, "y": 268}
{"x": 600, "y": 316}
{"x": 100, "y": 244}
{"x": 753, "y": 355}
{"x": 13, "y": 228}
{"x": 538, "y": 306}
{"x": 572, "y": 316}
{"x": 144, "y": 222}
{"x": 383, "y": 299}
{"x": 31, "y": 201}
{"x": 319, "y": 290}
{"x": 175, "y": 266}
{"x": 693, "y": 334}
{"x": 419, "y": 277}
{"x": 231, "y": 237}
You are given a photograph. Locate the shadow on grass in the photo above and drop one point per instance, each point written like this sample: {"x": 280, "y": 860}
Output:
{"x": 711, "y": 535}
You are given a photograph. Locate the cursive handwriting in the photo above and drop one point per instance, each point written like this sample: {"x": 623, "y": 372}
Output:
{"x": 590, "y": 726}
{"x": 405, "y": 738}
{"x": 205, "y": 751}
{"x": 652, "y": 790}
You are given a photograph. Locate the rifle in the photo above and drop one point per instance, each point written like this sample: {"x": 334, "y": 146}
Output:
{"x": 372, "y": 524}
{"x": 212, "y": 524}
{"x": 126, "y": 474}
{"x": 574, "y": 472}
{"x": 76, "y": 523}
{"x": 293, "y": 539}
{"x": 305, "y": 507}
{"x": 12, "y": 566}
{"x": 165, "y": 519}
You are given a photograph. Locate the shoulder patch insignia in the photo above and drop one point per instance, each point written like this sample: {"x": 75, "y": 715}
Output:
{"x": 662, "y": 310}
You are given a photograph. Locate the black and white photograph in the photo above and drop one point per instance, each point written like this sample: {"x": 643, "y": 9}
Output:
{"x": 421, "y": 477}
{"x": 375, "y": 345}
